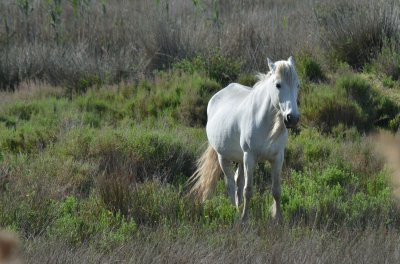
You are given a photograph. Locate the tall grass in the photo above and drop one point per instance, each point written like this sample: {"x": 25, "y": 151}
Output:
{"x": 258, "y": 245}
{"x": 83, "y": 43}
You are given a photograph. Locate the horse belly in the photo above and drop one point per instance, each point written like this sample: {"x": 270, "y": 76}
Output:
{"x": 223, "y": 113}
{"x": 224, "y": 137}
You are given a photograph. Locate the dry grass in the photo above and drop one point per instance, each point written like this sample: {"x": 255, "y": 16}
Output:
{"x": 110, "y": 41}
{"x": 233, "y": 245}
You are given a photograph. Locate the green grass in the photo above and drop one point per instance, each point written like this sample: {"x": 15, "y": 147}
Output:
{"x": 105, "y": 166}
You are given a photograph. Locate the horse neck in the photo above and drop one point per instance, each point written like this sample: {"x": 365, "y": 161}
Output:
{"x": 266, "y": 115}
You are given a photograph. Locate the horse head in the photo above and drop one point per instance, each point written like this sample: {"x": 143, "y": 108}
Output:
{"x": 285, "y": 89}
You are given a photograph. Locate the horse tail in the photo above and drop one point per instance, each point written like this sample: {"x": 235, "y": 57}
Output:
{"x": 204, "y": 179}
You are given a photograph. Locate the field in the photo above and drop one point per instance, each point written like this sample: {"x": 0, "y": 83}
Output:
{"x": 102, "y": 114}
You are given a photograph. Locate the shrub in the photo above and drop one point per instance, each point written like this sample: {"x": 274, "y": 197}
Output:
{"x": 378, "y": 108}
{"x": 191, "y": 66}
{"x": 247, "y": 79}
{"x": 222, "y": 69}
{"x": 87, "y": 220}
{"x": 27, "y": 138}
{"x": 388, "y": 82}
{"x": 141, "y": 155}
{"x": 193, "y": 107}
{"x": 355, "y": 31}
{"x": 388, "y": 63}
{"x": 177, "y": 94}
{"x": 219, "y": 210}
{"x": 218, "y": 67}
{"x": 24, "y": 111}
{"x": 309, "y": 69}
{"x": 394, "y": 124}
{"x": 96, "y": 109}
{"x": 333, "y": 197}
{"x": 326, "y": 108}
{"x": 353, "y": 102}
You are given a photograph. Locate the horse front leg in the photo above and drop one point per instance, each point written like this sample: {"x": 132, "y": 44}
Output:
{"x": 239, "y": 178}
{"x": 276, "y": 187}
{"x": 248, "y": 164}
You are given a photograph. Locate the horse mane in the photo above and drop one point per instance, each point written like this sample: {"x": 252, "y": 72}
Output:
{"x": 262, "y": 77}
{"x": 283, "y": 70}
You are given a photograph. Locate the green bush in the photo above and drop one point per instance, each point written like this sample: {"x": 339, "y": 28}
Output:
{"x": 219, "y": 211}
{"x": 191, "y": 66}
{"x": 96, "y": 109}
{"x": 388, "y": 82}
{"x": 141, "y": 154}
{"x": 222, "y": 69}
{"x": 353, "y": 102}
{"x": 394, "y": 124}
{"x": 179, "y": 95}
{"x": 193, "y": 107}
{"x": 326, "y": 108}
{"x": 378, "y": 108}
{"x": 84, "y": 83}
{"x": 309, "y": 69}
{"x": 333, "y": 197}
{"x": 27, "y": 138}
{"x": 23, "y": 111}
{"x": 247, "y": 79}
{"x": 388, "y": 63}
{"x": 218, "y": 67}
{"x": 87, "y": 220}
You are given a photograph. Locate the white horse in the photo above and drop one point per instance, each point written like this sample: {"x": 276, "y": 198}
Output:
{"x": 249, "y": 125}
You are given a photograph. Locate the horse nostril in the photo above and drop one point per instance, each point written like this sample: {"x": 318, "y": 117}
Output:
{"x": 292, "y": 119}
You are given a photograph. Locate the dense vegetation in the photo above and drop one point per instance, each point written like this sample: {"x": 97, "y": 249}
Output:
{"x": 101, "y": 121}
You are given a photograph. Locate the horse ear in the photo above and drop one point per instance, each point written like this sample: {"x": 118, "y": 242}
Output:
{"x": 271, "y": 64}
{"x": 291, "y": 60}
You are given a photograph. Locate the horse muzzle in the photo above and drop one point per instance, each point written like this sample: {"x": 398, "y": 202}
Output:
{"x": 291, "y": 120}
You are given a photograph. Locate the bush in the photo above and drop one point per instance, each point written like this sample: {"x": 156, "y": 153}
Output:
{"x": 178, "y": 94}
{"x": 219, "y": 211}
{"x": 27, "y": 138}
{"x": 333, "y": 197}
{"x": 394, "y": 124}
{"x": 355, "y": 31}
{"x": 247, "y": 79}
{"x": 309, "y": 69}
{"x": 24, "y": 111}
{"x": 193, "y": 107}
{"x": 353, "y": 102}
{"x": 88, "y": 221}
{"x": 326, "y": 108}
{"x": 218, "y": 67}
{"x": 378, "y": 108}
{"x": 141, "y": 155}
{"x": 388, "y": 82}
{"x": 388, "y": 63}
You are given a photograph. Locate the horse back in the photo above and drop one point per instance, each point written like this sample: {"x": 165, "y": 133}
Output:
{"x": 227, "y": 98}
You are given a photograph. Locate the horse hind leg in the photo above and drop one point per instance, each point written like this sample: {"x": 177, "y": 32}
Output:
{"x": 227, "y": 169}
{"x": 239, "y": 178}
{"x": 276, "y": 188}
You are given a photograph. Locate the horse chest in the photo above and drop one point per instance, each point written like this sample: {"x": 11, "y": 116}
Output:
{"x": 265, "y": 148}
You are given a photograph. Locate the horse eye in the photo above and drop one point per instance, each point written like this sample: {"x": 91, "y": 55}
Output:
{"x": 278, "y": 85}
